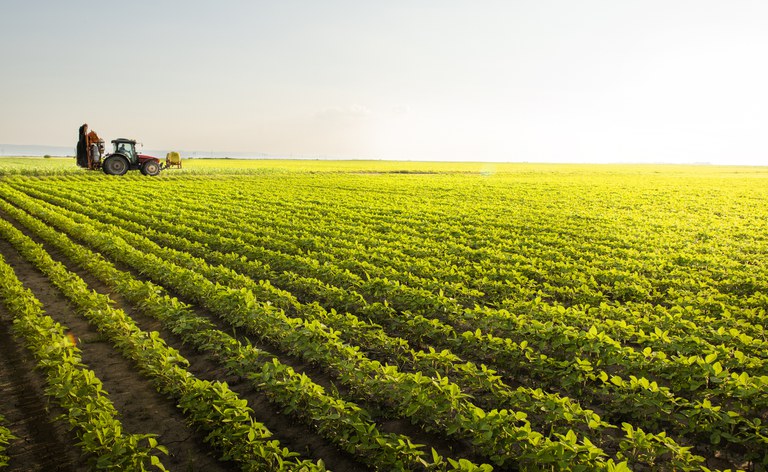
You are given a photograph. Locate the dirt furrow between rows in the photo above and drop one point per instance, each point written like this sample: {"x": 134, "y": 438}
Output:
{"x": 443, "y": 445}
{"x": 42, "y": 444}
{"x": 295, "y": 436}
{"x": 142, "y": 409}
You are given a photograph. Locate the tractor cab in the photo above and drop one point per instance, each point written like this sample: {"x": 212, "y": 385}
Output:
{"x": 127, "y": 148}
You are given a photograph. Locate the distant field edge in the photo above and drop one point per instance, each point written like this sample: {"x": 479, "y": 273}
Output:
{"x": 35, "y": 165}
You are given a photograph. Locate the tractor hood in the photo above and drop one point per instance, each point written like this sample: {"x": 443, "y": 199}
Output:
{"x": 144, "y": 158}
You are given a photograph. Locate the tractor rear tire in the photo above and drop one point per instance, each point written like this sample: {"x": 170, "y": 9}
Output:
{"x": 150, "y": 168}
{"x": 115, "y": 165}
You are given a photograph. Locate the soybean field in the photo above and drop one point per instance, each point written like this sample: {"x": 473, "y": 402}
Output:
{"x": 315, "y": 316}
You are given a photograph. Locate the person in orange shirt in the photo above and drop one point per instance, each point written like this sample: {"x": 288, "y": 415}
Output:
{"x": 92, "y": 142}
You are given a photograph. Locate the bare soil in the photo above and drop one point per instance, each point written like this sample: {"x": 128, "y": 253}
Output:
{"x": 42, "y": 444}
{"x": 142, "y": 409}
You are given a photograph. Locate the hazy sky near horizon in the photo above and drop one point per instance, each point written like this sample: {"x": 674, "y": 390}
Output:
{"x": 534, "y": 80}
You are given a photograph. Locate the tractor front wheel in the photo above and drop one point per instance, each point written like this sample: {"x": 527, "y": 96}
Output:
{"x": 150, "y": 168}
{"x": 115, "y": 165}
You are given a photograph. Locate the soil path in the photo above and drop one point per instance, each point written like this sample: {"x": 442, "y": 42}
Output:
{"x": 291, "y": 434}
{"x": 42, "y": 443}
{"x": 142, "y": 409}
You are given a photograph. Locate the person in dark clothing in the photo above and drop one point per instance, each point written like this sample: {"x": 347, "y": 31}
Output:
{"x": 82, "y": 146}
{"x": 89, "y": 147}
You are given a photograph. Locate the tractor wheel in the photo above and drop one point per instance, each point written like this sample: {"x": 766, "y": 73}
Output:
{"x": 150, "y": 168}
{"x": 115, "y": 165}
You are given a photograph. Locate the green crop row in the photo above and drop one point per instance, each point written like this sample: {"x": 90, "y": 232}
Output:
{"x": 210, "y": 406}
{"x": 342, "y": 422}
{"x": 385, "y": 249}
{"x": 493, "y": 349}
{"x": 703, "y": 418}
{"x": 476, "y": 380}
{"x": 6, "y": 436}
{"x": 446, "y": 259}
{"x": 682, "y": 374}
{"x": 73, "y": 387}
{"x": 392, "y": 226}
{"x": 720, "y": 328}
{"x": 431, "y": 401}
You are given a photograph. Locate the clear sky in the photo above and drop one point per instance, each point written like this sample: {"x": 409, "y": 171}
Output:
{"x": 534, "y": 80}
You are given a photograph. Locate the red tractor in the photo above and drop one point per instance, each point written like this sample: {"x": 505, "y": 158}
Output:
{"x": 90, "y": 155}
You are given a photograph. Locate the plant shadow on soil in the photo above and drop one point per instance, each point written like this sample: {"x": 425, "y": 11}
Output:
{"x": 142, "y": 409}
